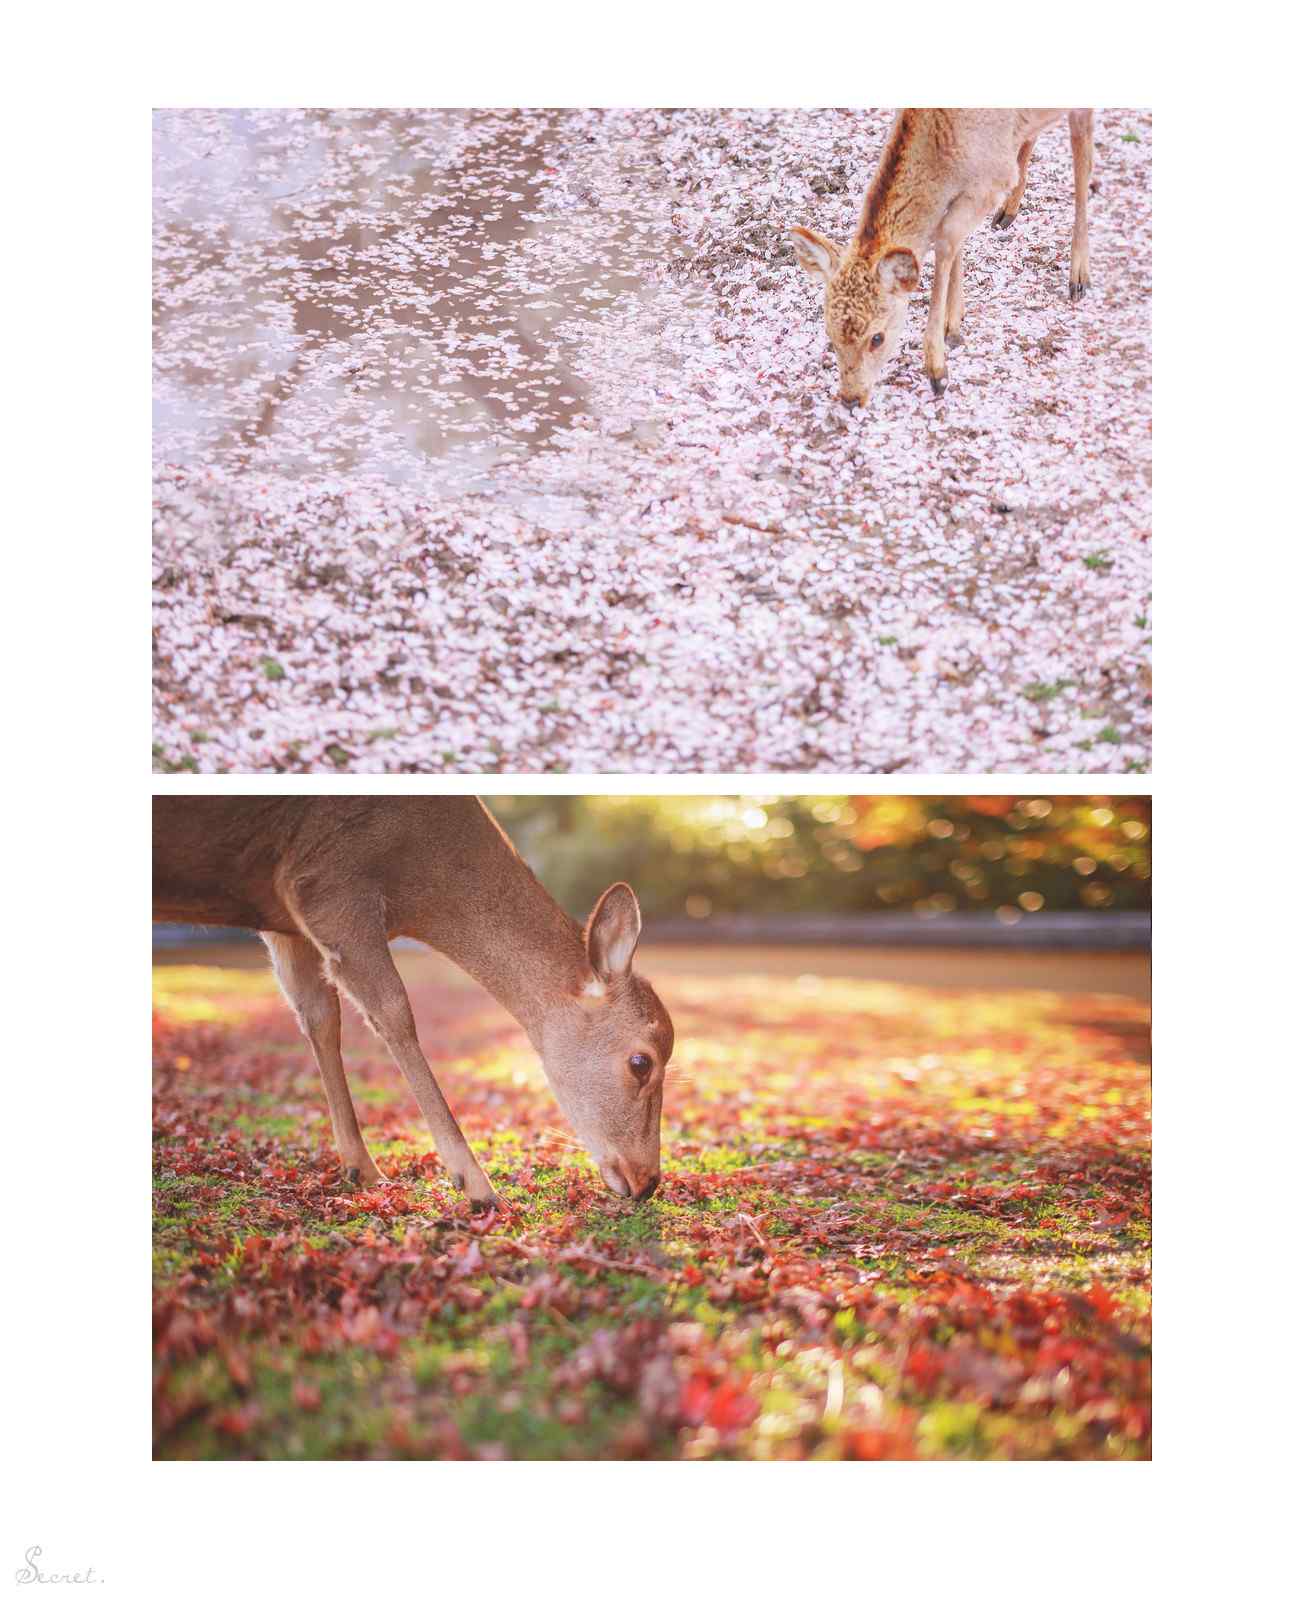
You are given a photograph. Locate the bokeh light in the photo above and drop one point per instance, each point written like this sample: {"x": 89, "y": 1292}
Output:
{"x": 704, "y": 856}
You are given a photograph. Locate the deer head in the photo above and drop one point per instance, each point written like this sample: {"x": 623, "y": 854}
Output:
{"x": 865, "y": 301}
{"x": 604, "y": 1048}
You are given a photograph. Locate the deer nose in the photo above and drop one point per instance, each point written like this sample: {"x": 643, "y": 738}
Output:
{"x": 640, "y": 1183}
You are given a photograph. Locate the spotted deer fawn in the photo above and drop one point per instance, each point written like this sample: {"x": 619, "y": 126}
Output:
{"x": 327, "y": 882}
{"x": 940, "y": 175}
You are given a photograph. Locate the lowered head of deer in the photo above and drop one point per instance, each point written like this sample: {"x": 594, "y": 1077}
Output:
{"x": 866, "y": 297}
{"x": 605, "y": 1047}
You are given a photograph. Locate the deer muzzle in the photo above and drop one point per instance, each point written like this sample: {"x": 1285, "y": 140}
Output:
{"x": 629, "y": 1180}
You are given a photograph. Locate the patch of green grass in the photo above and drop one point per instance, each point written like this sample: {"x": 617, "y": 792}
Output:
{"x": 718, "y": 1158}
{"x": 952, "y": 1430}
{"x": 376, "y": 1091}
{"x": 1041, "y": 692}
{"x": 945, "y": 1220}
{"x": 523, "y": 1424}
{"x": 278, "y": 1127}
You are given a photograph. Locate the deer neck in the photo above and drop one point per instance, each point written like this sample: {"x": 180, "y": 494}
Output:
{"x": 901, "y": 206}
{"x": 527, "y": 974}
{"x": 502, "y": 927}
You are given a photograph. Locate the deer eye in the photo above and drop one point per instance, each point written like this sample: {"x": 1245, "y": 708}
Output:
{"x": 641, "y": 1065}
{"x": 876, "y": 341}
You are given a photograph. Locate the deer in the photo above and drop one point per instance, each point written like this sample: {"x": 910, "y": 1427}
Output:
{"x": 327, "y": 882}
{"x": 941, "y": 173}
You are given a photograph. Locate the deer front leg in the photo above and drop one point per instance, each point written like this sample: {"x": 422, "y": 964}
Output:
{"x": 955, "y": 226}
{"x": 934, "y": 337}
{"x": 356, "y": 957}
{"x": 299, "y": 969}
{"x": 1006, "y": 215}
{"x": 1081, "y": 126}
{"x": 954, "y": 303}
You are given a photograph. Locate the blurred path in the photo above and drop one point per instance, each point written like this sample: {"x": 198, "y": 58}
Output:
{"x": 1128, "y": 975}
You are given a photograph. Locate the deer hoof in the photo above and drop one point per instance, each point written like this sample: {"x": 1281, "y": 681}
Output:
{"x": 487, "y": 1199}
{"x": 953, "y": 340}
{"x": 1078, "y": 289}
{"x": 939, "y": 384}
{"x": 1004, "y": 218}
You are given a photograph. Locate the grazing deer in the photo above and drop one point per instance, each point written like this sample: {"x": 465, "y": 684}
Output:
{"x": 940, "y": 175}
{"x": 327, "y": 882}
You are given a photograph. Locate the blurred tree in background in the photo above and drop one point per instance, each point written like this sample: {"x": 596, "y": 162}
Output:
{"x": 702, "y": 856}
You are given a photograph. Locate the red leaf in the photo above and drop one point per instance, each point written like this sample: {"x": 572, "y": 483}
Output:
{"x": 305, "y": 1395}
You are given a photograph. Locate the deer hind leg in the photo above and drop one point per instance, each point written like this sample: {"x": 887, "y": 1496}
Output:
{"x": 1081, "y": 125}
{"x": 1006, "y": 215}
{"x": 299, "y": 969}
{"x": 356, "y": 956}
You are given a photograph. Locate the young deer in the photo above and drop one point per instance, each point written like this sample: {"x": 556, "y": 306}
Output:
{"x": 941, "y": 174}
{"x": 327, "y": 882}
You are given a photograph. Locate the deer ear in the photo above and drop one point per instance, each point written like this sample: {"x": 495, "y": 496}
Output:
{"x": 898, "y": 272}
{"x": 815, "y": 253}
{"x": 613, "y": 931}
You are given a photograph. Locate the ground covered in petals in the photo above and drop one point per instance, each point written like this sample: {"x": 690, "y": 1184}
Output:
{"x": 895, "y": 1222}
{"x": 508, "y": 441}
